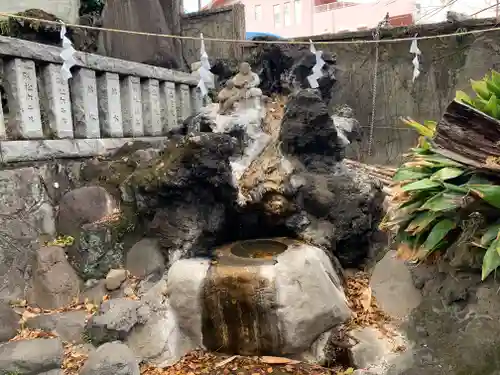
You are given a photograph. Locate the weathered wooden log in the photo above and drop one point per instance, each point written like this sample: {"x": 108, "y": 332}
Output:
{"x": 468, "y": 136}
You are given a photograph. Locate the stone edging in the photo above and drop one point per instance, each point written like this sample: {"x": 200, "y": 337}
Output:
{"x": 12, "y": 47}
{"x": 35, "y": 150}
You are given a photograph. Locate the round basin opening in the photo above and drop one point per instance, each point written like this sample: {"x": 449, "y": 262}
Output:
{"x": 258, "y": 249}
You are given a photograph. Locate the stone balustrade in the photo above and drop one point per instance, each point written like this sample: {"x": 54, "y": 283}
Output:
{"x": 106, "y": 103}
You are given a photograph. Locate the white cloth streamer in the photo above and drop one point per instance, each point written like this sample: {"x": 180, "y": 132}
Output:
{"x": 66, "y": 54}
{"x": 316, "y": 70}
{"x": 416, "y": 61}
{"x": 206, "y": 77}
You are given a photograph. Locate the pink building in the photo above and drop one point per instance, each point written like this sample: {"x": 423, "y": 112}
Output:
{"x": 294, "y": 18}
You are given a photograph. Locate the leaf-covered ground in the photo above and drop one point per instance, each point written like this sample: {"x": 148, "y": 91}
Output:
{"x": 358, "y": 292}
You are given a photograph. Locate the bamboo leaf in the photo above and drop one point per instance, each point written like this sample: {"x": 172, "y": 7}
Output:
{"x": 424, "y": 184}
{"x": 491, "y": 259}
{"x": 447, "y": 173}
{"x": 455, "y": 188}
{"x": 492, "y": 107}
{"x": 488, "y": 193}
{"x": 439, "y": 161}
{"x": 490, "y": 234}
{"x": 421, "y": 222}
{"x": 432, "y": 125}
{"x": 480, "y": 89}
{"x": 479, "y": 103}
{"x": 495, "y": 77}
{"x": 404, "y": 174}
{"x": 444, "y": 201}
{"x": 463, "y": 97}
{"x": 493, "y": 87}
{"x": 437, "y": 234}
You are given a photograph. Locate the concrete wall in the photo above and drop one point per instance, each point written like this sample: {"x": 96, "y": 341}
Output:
{"x": 226, "y": 23}
{"x": 447, "y": 65}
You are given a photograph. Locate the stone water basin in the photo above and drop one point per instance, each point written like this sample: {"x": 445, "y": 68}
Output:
{"x": 266, "y": 296}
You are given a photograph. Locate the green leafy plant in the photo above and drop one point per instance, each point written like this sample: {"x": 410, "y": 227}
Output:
{"x": 487, "y": 99}
{"x": 434, "y": 194}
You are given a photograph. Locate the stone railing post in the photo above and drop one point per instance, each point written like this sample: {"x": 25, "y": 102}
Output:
{"x": 84, "y": 104}
{"x": 196, "y": 99}
{"x": 20, "y": 83}
{"x": 183, "y": 102}
{"x": 56, "y": 100}
{"x": 169, "y": 106}
{"x": 3, "y": 133}
{"x": 132, "y": 107}
{"x": 151, "y": 107}
{"x": 110, "y": 106}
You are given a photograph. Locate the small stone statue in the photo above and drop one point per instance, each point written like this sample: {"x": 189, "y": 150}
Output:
{"x": 247, "y": 81}
{"x": 228, "y": 97}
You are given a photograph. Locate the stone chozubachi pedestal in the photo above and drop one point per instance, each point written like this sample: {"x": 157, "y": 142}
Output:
{"x": 259, "y": 297}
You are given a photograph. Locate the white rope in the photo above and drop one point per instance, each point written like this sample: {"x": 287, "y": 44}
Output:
{"x": 66, "y": 54}
{"x": 206, "y": 77}
{"x": 416, "y": 61}
{"x": 316, "y": 70}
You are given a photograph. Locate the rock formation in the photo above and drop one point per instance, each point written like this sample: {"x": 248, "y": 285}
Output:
{"x": 181, "y": 220}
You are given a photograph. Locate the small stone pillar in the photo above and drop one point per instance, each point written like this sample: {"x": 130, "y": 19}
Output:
{"x": 132, "y": 107}
{"x": 183, "y": 102}
{"x": 151, "y": 107}
{"x": 57, "y": 102}
{"x": 196, "y": 100}
{"x": 84, "y": 104}
{"x": 169, "y": 106}
{"x": 110, "y": 106}
{"x": 22, "y": 94}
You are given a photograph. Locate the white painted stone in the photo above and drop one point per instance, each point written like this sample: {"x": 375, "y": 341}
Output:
{"x": 84, "y": 104}
{"x": 196, "y": 99}
{"x": 168, "y": 106}
{"x": 24, "y": 106}
{"x": 57, "y": 102}
{"x": 310, "y": 297}
{"x": 16, "y": 151}
{"x": 132, "y": 107}
{"x": 183, "y": 102}
{"x": 110, "y": 106}
{"x": 151, "y": 107}
{"x": 184, "y": 284}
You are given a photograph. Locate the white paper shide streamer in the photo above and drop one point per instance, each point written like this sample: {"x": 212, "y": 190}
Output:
{"x": 66, "y": 54}
{"x": 416, "y": 62}
{"x": 316, "y": 70}
{"x": 206, "y": 77}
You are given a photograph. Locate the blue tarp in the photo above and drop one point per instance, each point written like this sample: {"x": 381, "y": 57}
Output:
{"x": 253, "y": 35}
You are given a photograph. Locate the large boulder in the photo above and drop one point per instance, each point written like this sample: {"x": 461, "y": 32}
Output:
{"x": 113, "y": 321}
{"x": 9, "y": 322}
{"x": 31, "y": 356}
{"x": 188, "y": 190}
{"x": 111, "y": 358}
{"x": 55, "y": 282}
{"x": 254, "y": 306}
{"x": 338, "y": 208}
{"x": 69, "y": 325}
{"x": 84, "y": 205}
{"x": 145, "y": 258}
{"x": 26, "y": 215}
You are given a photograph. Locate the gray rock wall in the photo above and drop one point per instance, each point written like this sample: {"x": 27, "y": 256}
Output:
{"x": 28, "y": 196}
